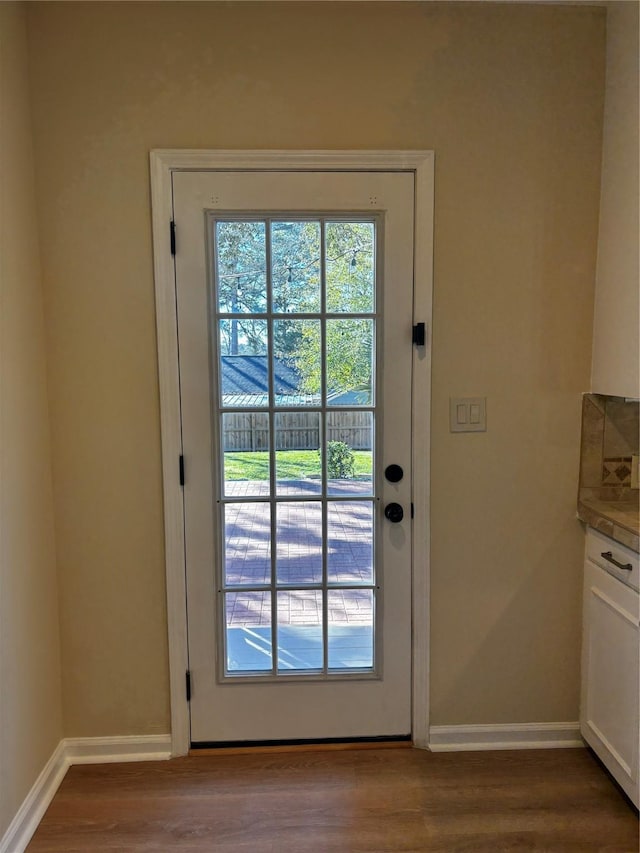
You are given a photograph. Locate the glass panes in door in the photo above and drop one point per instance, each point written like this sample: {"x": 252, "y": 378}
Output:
{"x": 294, "y": 346}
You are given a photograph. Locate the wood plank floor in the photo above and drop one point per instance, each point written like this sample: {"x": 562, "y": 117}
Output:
{"x": 376, "y": 800}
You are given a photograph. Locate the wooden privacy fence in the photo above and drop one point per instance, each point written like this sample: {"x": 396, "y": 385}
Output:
{"x": 295, "y": 430}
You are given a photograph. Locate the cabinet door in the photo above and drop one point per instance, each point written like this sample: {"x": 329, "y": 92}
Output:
{"x": 609, "y": 718}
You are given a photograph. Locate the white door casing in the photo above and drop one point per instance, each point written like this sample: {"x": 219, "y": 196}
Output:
{"x": 164, "y": 165}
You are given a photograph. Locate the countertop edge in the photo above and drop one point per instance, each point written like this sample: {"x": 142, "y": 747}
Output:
{"x": 608, "y": 526}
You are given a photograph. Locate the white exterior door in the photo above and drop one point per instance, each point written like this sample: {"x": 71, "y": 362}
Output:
{"x": 294, "y": 305}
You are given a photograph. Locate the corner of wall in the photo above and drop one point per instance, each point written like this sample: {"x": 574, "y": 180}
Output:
{"x": 30, "y": 701}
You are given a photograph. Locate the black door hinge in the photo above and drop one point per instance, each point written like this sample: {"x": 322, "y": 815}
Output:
{"x": 188, "y": 685}
{"x": 172, "y": 236}
{"x": 419, "y": 334}
{"x": 181, "y": 469}
{"x": 411, "y": 509}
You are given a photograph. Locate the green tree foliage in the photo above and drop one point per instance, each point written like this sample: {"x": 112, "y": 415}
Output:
{"x": 296, "y": 277}
{"x": 241, "y": 286}
{"x": 295, "y": 264}
{"x": 350, "y": 266}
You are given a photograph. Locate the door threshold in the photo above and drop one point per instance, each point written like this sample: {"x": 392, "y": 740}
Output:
{"x": 300, "y": 745}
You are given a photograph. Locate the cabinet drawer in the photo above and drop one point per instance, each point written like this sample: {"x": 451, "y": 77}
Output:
{"x": 603, "y": 551}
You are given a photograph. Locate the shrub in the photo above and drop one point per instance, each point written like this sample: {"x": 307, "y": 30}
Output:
{"x": 340, "y": 461}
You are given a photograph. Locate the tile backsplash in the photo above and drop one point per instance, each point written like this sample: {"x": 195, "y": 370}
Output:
{"x": 610, "y": 437}
{"x": 616, "y": 471}
{"x": 620, "y": 428}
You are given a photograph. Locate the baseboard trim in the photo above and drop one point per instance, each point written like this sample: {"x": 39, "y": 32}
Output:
{"x": 35, "y": 804}
{"x": 107, "y": 750}
{"x": 509, "y": 736}
{"x": 86, "y": 750}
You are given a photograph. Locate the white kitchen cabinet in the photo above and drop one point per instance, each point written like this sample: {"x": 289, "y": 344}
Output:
{"x": 609, "y": 718}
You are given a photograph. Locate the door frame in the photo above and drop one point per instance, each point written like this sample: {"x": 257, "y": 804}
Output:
{"x": 163, "y": 163}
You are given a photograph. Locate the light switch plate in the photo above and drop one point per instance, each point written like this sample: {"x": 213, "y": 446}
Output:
{"x": 467, "y": 414}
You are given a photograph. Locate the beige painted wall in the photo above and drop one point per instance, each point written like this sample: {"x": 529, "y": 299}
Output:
{"x": 30, "y": 704}
{"x": 510, "y": 98}
{"x": 616, "y": 353}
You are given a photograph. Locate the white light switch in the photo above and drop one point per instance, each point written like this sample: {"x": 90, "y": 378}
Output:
{"x": 468, "y": 414}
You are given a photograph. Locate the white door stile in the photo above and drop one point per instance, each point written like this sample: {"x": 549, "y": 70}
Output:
{"x": 421, "y": 445}
{"x": 163, "y": 164}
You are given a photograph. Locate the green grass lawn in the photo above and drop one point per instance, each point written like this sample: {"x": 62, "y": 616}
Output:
{"x": 290, "y": 464}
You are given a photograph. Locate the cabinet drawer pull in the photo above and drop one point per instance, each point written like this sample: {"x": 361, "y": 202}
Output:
{"x": 611, "y": 559}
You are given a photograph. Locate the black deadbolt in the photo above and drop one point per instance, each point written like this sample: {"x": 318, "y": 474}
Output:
{"x": 394, "y": 513}
{"x": 393, "y": 473}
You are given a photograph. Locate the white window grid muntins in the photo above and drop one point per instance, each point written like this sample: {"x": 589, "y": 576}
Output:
{"x": 323, "y": 409}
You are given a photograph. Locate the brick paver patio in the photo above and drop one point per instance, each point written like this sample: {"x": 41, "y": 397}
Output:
{"x": 299, "y": 562}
